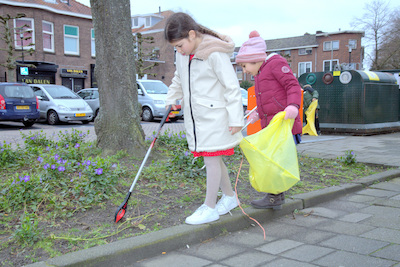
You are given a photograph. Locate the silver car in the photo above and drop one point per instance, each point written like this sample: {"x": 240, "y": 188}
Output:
{"x": 91, "y": 96}
{"x": 152, "y": 95}
{"x": 59, "y": 103}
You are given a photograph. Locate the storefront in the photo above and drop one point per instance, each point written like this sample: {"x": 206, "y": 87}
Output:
{"x": 37, "y": 72}
{"x": 74, "y": 79}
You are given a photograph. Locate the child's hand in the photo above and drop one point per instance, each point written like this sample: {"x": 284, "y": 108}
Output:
{"x": 253, "y": 117}
{"x": 291, "y": 112}
{"x": 234, "y": 130}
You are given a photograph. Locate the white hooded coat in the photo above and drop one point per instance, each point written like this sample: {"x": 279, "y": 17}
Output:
{"x": 210, "y": 93}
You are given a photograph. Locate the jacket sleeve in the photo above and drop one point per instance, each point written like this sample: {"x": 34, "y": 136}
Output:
{"x": 233, "y": 98}
{"x": 315, "y": 94}
{"x": 284, "y": 75}
{"x": 175, "y": 90}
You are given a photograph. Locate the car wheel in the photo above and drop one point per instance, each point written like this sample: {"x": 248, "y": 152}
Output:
{"x": 52, "y": 117}
{"x": 147, "y": 115}
{"x": 28, "y": 123}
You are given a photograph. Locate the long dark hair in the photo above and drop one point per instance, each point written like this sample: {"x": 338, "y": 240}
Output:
{"x": 178, "y": 26}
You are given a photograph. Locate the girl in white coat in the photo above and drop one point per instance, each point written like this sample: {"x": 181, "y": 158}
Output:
{"x": 211, "y": 100}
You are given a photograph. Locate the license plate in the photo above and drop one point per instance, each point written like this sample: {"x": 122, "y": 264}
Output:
{"x": 175, "y": 112}
{"x": 80, "y": 114}
{"x": 22, "y": 107}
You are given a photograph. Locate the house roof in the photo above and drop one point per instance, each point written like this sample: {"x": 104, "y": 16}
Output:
{"x": 65, "y": 7}
{"x": 158, "y": 26}
{"x": 306, "y": 40}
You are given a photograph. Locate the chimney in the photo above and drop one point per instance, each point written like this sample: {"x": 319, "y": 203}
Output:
{"x": 318, "y": 32}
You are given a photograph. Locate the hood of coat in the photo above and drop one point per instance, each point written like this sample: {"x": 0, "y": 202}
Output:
{"x": 211, "y": 44}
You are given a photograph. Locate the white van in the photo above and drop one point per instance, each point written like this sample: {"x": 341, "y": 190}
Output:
{"x": 152, "y": 95}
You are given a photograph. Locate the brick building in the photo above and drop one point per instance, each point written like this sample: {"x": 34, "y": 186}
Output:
{"x": 63, "y": 41}
{"x": 164, "y": 54}
{"x": 316, "y": 52}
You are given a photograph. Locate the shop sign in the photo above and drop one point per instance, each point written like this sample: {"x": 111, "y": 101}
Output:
{"x": 24, "y": 70}
{"x": 41, "y": 80}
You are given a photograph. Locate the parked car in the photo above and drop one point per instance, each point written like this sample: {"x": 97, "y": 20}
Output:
{"x": 91, "y": 96}
{"x": 244, "y": 98}
{"x": 152, "y": 95}
{"x": 18, "y": 103}
{"x": 59, "y": 103}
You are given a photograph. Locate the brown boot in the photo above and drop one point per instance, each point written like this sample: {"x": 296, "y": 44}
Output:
{"x": 270, "y": 201}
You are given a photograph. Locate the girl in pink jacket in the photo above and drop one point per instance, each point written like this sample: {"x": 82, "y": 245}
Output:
{"x": 276, "y": 90}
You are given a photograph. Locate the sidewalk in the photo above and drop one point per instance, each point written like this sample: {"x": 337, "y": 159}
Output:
{"x": 356, "y": 224}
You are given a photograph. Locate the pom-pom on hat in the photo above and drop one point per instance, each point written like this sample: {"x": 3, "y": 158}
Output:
{"x": 253, "y": 50}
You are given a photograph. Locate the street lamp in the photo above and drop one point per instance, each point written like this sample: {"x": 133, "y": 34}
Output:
{"x": 21, "y": 36}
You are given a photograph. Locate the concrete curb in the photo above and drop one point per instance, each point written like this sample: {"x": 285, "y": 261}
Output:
{"x": 126, "y": 252}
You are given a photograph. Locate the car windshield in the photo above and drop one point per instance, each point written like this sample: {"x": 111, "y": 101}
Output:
{"x": 155, "y": 88}
{"x": 19, "y": 91}
{"x": 244, "y": 94}
{"x": 60, "y": 92}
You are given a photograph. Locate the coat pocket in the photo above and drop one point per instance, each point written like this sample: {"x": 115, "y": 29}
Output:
{"x": 211, "y": 103}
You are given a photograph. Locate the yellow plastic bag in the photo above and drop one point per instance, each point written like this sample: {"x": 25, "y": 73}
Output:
{"x": 272, "y": 156}
{"x": 309, "y": 128}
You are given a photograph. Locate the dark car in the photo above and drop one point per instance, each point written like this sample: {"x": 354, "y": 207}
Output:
{"x": 18, "y": 103}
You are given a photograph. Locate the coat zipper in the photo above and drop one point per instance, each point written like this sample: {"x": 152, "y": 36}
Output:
{"x": 191, "y": 110}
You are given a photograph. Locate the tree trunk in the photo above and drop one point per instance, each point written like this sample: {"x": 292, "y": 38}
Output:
{"x": 118, "y": 123}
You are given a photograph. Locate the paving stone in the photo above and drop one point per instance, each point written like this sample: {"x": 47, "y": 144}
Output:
{"x": 307, "y": 253}
{"x": 384, "y": 234}
{"x": 348, "y": 259}
{"x": 323, "y": 212}
{"x": 391, "y": 252}
{"x": 281, "y": 230}
{"x": 361, "y": 198}
{"x": 387, "y": 186}
{"x": 393, "y": 202}
{"x": 279, "y": 246}
{"x": 287, "y": 263}
{"x": 248, "y": 259}
{"x": 345, "y": 228}
{"x": 311, "y": 236}
{"x": 174, "y": 259}
{"x": 343, "y": 205}
{"x": 354, "y": 244}
{"x": 377, "y": 193}
{"x": 396, "y": 197}
{"x": 302, "y": 220}
{"x": 247, "y": 238}
{"x": 355, "y": 217}
{"x": 213, "y": 250}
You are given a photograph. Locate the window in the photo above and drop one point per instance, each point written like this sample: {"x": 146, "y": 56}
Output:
{"x": 287, "y": 53}
{"x": 93, "y": 43}
{"x": 305, "y": 51}
{"x": 331, "y": 45}
{"x": 330, "y": 64}
{"x": 71, "y": 40}
{"x": 24, "y": 33}
{"x": 239, "y": 72}
{"x": 304, "y": 67}
{"x": 48, "y": 36}
{"x": 135, "y": 22}
{"x": 148, "y": 21}
{"x": 352, "y": 44}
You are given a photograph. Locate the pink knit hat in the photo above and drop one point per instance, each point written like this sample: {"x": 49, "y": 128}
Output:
{"x": 253, "y": 50}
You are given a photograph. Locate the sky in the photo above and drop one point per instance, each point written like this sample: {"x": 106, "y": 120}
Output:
{"x": 272, "y": 19}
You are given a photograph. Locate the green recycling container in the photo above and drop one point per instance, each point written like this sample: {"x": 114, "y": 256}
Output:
{"x": 355, "y": 97}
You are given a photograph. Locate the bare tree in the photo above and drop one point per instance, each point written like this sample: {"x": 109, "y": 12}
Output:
{"x": 375, "y": 22}
{"x": 118, "y": 124}
{"x": 12, "y": 54}
{"x": 142, "y": 54}
{"x": 390, "y": 50}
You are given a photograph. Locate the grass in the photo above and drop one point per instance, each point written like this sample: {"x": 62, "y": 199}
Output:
{"x": 58, "y": 194}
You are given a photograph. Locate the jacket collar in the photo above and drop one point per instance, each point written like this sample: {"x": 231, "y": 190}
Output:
{"x": 211, "y": 44}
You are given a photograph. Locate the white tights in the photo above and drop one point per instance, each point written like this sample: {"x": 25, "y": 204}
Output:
{"x": 217, "y": 176}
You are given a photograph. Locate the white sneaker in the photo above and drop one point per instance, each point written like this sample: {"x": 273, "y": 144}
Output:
{"x": 226, "y": 204}
{"x": 204, "y": 214}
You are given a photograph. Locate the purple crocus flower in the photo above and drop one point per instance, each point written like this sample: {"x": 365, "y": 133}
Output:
{"x": 40, "y": 159}
{"x": 77, "y": 145}
{"x": 53, "y": 166}
{"x": 99, "y": 171}
{"x": 61, "y": 168}
{"x": 46, "y": 166}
